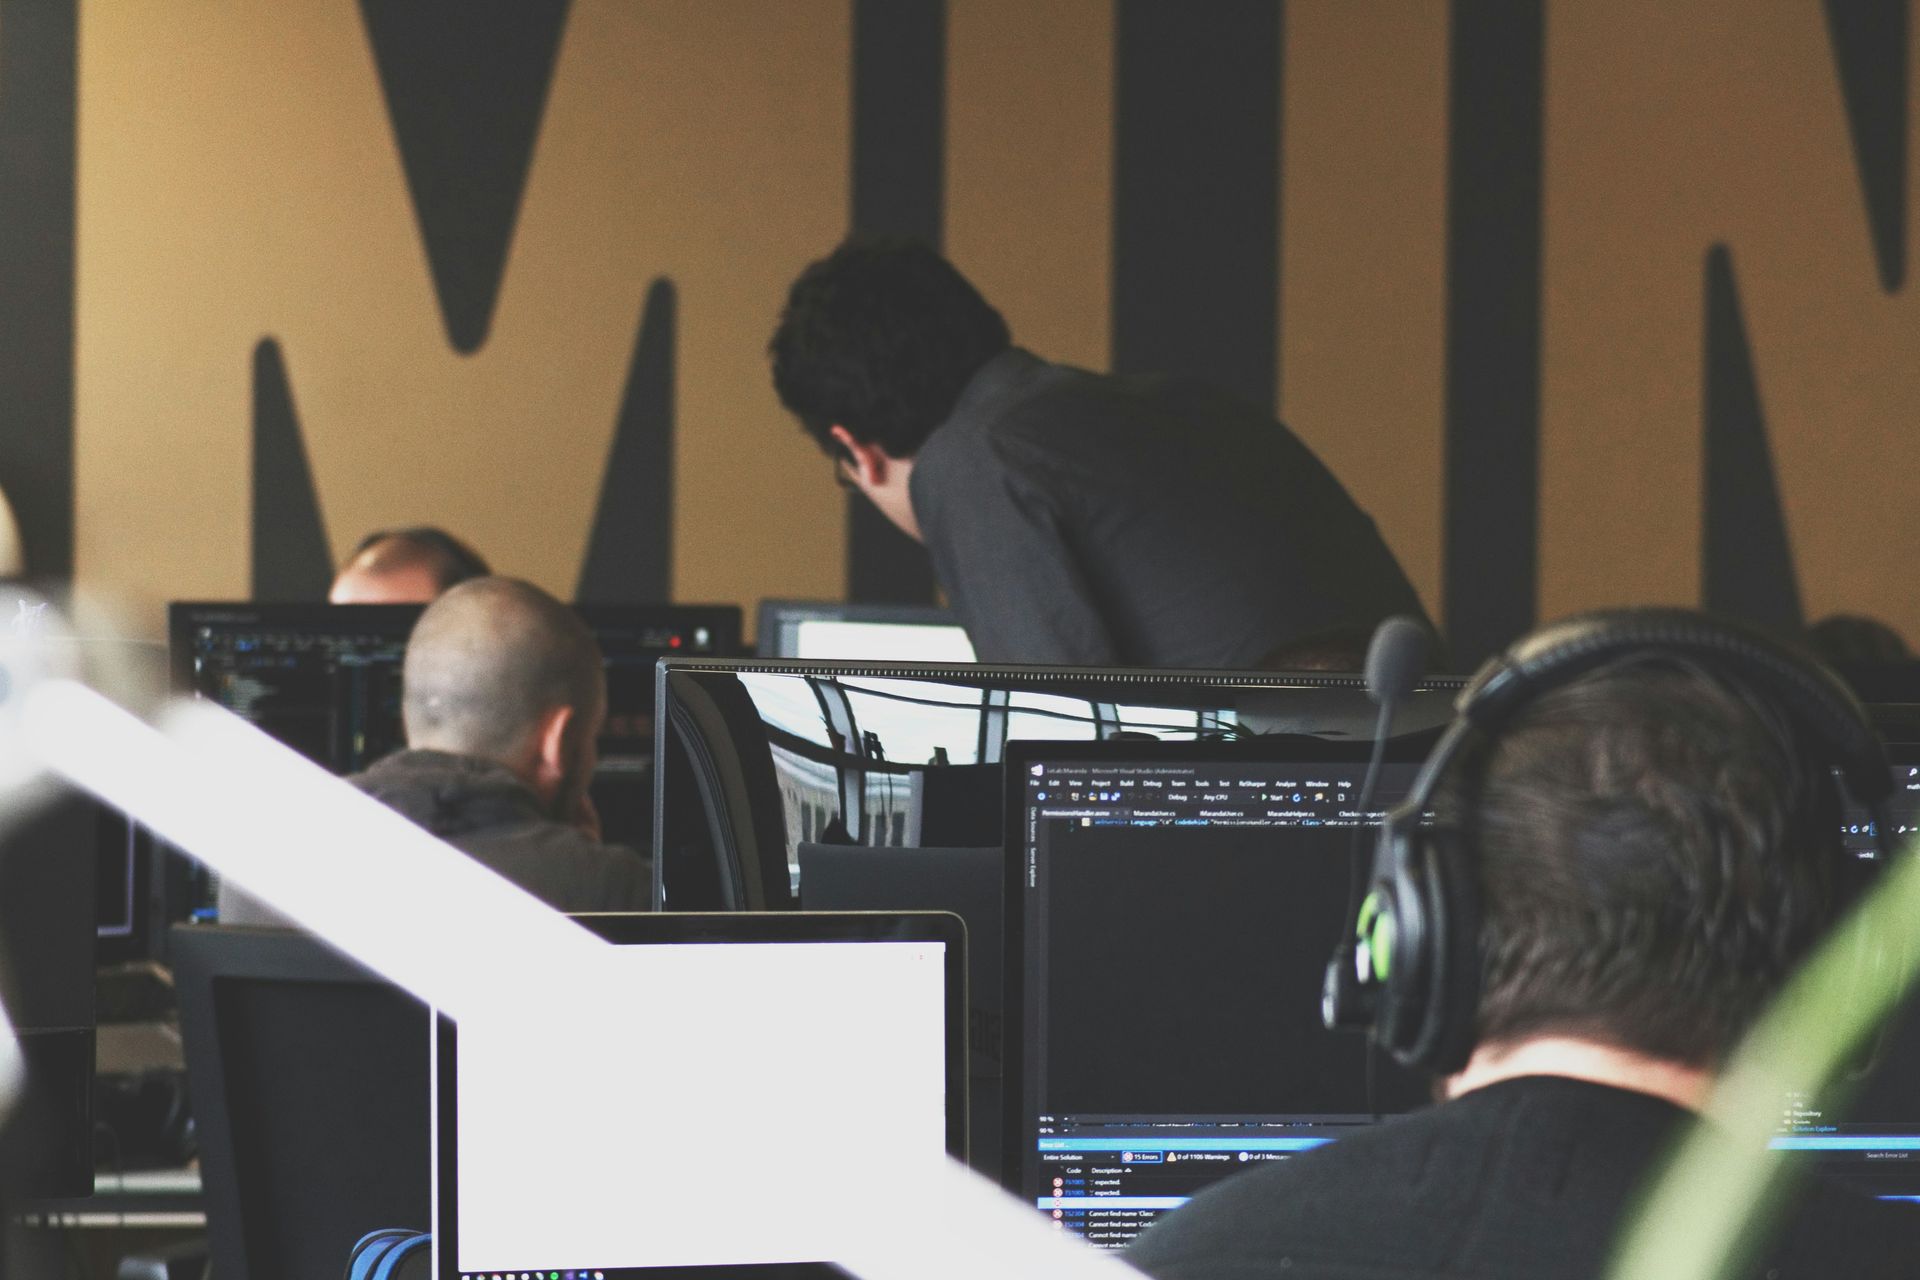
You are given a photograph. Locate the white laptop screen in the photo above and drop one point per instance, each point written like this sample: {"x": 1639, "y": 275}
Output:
{"x": 655, "y": 1124}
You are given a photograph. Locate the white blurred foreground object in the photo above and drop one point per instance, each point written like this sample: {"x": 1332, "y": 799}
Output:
{"x": 12, "y": 1067}
{"x": 361, "y": 876}
{"x": 337, "y": 862}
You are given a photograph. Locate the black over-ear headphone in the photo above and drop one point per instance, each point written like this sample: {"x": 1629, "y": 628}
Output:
{"x": 1415, "y": 948}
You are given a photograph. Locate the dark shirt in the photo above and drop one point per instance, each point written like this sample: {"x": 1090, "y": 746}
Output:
{"x": 482, "y": 809}
{"x": 1528, "y": 1179}
{"x": 1083, "y": 519}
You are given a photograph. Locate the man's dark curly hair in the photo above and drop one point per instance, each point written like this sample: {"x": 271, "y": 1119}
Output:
{"x": 880, "y": 337}
{"x": 1656, "y": 852}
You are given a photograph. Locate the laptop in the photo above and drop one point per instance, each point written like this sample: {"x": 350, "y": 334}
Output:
{"x": 651, "y": 1129}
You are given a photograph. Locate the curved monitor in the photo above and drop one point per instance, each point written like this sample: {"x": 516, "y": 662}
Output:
{"x": 757, "y": 758}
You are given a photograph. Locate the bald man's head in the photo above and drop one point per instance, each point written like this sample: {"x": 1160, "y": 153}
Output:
{"x": 487, "y": 665}
{"x": 405, "y": 566}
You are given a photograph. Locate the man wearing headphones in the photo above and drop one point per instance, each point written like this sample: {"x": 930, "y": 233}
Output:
{"x": 1634, "y": 842}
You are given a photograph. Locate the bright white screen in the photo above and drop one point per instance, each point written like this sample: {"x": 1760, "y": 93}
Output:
{"x": 882, "y": 641}
{"x": 652, "y": 1123}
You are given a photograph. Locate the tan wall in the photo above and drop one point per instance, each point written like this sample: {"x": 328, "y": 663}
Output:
{"x": 238, "y": 180}
{"x": 1671, "y": 128}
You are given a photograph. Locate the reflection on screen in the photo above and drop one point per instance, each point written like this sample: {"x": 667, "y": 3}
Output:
{"x": 908, "y": 755}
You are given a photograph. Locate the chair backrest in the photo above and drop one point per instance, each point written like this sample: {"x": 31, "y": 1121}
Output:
{"x": 308, "y": 1078}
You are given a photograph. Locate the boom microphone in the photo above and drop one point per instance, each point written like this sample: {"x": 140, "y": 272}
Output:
{"x": 1396, "y": 659}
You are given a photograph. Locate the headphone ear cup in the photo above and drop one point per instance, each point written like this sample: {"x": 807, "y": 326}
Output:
{"x": 1450, "y": 1028}
{"x": 1402, "y": 931}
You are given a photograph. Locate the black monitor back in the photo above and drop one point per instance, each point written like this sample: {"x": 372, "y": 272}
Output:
{"x": 309, "y": 1080}
{"x": 965, "y": 882}
{"x": 47, "y": 924}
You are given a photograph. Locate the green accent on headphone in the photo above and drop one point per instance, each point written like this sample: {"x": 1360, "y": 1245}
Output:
{"x": 1375, "y": 930}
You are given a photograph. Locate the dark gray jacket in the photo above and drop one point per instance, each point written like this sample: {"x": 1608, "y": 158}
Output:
{"x": 1084, "y": 519}
{"x": 480, "y": 808}
{"x": 483, "y": 810}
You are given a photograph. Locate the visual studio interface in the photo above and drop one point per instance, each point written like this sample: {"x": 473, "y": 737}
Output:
{"x": 1178, "y": 919}
{"x": 333, "y": 696}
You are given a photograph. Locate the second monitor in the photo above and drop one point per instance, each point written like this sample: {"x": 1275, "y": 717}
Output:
{"x": 861, "y": 632}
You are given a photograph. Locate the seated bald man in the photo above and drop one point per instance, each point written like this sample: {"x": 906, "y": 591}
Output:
{"x": 504, "y": 699}
{"x": 405, "y": 566}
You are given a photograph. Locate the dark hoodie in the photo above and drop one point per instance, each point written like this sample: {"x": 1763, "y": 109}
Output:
{"x": 483, "y": 810}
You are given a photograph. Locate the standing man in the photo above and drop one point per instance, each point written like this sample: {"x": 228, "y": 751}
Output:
{"x": 1073, "y": 517}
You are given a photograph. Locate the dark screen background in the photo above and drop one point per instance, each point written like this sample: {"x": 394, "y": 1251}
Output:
{"x": 1184, "y": 974}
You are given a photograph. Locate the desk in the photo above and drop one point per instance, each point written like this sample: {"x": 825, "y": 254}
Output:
{"x": 86, "y": 1237}
{"x": 156, "y": 1198}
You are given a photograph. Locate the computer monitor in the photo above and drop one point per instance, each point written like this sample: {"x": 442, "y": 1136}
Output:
{"x": 757, "y": 758}
{"x": 325, "y": 679}
{"x": 1170, "y": 911}
{"x": 1170, "y": 908}
{"x": 861, "y": 632}
{"x": 728, "y": 1056}
{"x": 309, "y": 1087}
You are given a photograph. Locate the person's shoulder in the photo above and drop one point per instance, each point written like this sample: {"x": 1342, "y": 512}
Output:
{"x": 1301, "y": 1214}
{"x": 564, "y": 866}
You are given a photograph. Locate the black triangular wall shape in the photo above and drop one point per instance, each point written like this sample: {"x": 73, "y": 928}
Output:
{"x": 466, "y": 85}
{"x": 37, "y": 136}
{"x": 1870, "y": 50}
{"x": 630, "y": 552}
{"x": 1495, "y": 171}
{"x": 290, "y": 556}
{"x": 1196, "y": 192}
{"x": 1746, "y": 557}
{"x": 899, "y": 157}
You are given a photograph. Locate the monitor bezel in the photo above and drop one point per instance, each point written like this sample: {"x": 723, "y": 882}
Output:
{"x": 668, "y": 928}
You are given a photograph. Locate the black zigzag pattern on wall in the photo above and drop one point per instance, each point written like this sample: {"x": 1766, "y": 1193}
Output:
{"x": 899, "y": 156}
{"x": 1196, "y": 249}
{"x": 1494, "y": 150}
{"x": 37, "y": 143}
{"x": 466, "y": 86}
{"x": 1870, "y": 53}
{"x": 290, "y": 556}
{"x": 1746, "y": 567}
{"x": 630, "y": 552}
